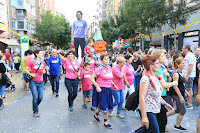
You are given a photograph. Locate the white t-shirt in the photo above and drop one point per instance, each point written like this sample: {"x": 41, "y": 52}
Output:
{"x": 190, "y": 59}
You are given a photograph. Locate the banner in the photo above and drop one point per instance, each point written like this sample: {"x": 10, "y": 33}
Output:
{"x": 24, "y": 41}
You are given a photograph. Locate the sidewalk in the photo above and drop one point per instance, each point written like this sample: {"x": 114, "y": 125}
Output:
{"x": 11, "y": 96}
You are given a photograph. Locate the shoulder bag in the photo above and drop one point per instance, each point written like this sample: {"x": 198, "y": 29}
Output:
{"x": 28, "y": 78}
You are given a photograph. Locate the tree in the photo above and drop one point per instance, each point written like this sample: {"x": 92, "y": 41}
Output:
{"x": 54, "y": 29}
{"x": 178, "y": 14}
{"x": 144, "y": 15}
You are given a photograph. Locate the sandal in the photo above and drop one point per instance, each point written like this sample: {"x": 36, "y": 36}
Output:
{"x": 108, "y": 125}
{"x": 96, "y": 118}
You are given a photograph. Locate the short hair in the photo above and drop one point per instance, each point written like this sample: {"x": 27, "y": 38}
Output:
{"x": 37, "y": 51}
{"x": 130, "y": 50}
{"x": 6, "y": 50}
{"x": 188, "y": 46}
{"x": 127, "y": 57}
{"x": 177, "y": 62}
{"x": 71, "y": 51}
{"x": 147, "y": 60}
{"x": 157, "y": 52}
{"x": 25, "y": 53}
{"x": 103, "y": 55}
{"x": 150, "y": 51}
{"x": 29, "y": 52}
{"x": 120, "y": 59}
{"x": 79, "y": 12}
{"x": 86, "y": 64}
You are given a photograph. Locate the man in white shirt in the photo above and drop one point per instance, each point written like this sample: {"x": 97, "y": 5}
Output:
{"x": 189, "y": 72}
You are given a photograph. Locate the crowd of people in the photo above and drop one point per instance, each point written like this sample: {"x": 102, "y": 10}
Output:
{"x": 163, "y": 78}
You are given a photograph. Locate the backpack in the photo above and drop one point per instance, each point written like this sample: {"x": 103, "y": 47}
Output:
{"x": 132, "y": 101}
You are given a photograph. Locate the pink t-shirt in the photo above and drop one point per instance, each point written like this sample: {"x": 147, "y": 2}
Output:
{"x": 130, "y": 73}
{"x": 33, "y": 68}
{"x": 85, "y": 78}
{"x": 104, "y": 77}
{"x": 91, "y": 61}
{"x": 87, "y": 48}
{"x": 70, "y": 74}
{"x": 27, "y": 60}
{"x": 119, "y": 82}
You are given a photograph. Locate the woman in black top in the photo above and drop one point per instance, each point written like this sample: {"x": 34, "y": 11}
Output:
{"x": 177, "y": 93}
{"x": 2, "y": 78}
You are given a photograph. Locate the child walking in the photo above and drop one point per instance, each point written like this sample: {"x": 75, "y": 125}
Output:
{"x": 86, "y": 84}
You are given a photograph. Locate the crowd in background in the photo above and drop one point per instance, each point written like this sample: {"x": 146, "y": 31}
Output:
{"x": 163, "y": 78}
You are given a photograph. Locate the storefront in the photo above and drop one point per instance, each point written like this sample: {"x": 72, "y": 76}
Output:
{"x": 192, "y": 38}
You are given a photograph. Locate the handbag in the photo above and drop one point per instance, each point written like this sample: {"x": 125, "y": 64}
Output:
{"x": 28, "y": 78}
{"x": 141, "y": 130}
{"x": 132, "y": 101}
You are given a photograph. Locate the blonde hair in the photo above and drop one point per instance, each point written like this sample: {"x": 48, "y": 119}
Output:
{"x": 120, "y": 59}
{"x": 157, "y": 52}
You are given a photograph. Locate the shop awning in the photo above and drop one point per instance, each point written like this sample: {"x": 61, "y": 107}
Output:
{"x": 9, "y": 42}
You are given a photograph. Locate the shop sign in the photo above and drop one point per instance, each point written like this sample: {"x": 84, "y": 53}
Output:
{"x": 192, "y": 33}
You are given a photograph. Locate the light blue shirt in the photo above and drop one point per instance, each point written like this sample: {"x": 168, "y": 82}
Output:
{"x": 79, "y": 28}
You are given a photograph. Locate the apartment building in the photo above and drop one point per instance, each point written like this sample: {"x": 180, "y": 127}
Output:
{"x": 112, "y": 7}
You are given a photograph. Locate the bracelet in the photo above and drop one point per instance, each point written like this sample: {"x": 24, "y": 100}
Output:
{"x": 165, "y": 104}
{"x": 172, "y": 84}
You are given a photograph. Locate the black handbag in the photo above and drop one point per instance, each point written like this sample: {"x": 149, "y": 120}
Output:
{"x": 132, "y": 101}
{"x": 28, "y": 78}
{"x": 141, "y": 130}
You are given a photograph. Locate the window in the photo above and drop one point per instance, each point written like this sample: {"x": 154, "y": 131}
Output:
{"x": 20, "y": 25}
{"x": 13, "y": 3}
{"x": 13, "y": 23}
{"x": 20, "y": 12}
{"x": 28, "y": 26}
{"x": 28, "y": 7}
{"x": 33, "y": 10}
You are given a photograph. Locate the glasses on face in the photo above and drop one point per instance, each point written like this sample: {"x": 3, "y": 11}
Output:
{"x": 156, "y": 63}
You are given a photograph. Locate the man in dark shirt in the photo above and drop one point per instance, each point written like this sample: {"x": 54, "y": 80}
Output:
{"x": 137, "y": 63}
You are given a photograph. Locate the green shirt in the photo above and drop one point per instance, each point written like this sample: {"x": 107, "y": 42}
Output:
{"x": 160, "y": 73}
{"x": 23, "y": 65}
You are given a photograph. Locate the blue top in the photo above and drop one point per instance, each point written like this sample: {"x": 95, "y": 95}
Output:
{"x": 79, "y": 28}
{"x": 54, "y": 64}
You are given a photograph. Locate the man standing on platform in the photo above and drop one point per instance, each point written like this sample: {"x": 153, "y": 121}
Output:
{"x": 79, "y": 33}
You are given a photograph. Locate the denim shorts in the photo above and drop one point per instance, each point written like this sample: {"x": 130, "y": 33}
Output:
{"x": 189, "y": 84}
{"x": 87, "y": 93}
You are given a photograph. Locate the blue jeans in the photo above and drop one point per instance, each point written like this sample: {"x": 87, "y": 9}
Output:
{"x": 55, "y": 78}
{"x": 153, "y": 123}
{"x": 2, "y": 88}
{"x": 37, "y": 93}
{"x": 119, "y": 99}
{"x": 72, "y": 87}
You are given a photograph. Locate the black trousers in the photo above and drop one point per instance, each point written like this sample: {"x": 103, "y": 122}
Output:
{"x": 162, "y": 116}
{"x": 81, "y": 42}
{"x": 17, "y": 65}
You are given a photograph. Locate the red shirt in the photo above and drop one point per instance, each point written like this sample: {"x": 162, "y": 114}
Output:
{"x": 119, "y": 82}
{"x": 7, "y": 56}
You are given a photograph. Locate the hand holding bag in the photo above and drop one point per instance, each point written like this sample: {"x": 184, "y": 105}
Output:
{"x": 28, "y": 78}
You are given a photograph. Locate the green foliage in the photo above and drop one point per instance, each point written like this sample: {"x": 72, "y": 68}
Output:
{"x": 54, "y": 29}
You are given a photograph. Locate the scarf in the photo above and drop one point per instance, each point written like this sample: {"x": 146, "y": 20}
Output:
{"x": 150, "y": 79}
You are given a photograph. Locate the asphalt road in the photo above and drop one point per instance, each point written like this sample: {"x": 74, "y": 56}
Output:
{"x": 17, "y": 116}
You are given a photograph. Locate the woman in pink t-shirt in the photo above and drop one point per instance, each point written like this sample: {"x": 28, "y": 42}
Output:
{"x": 71, "y": 81}
{"x": 119, "y": 78}
{"x": 130, "y": 73}
{"x": 36, "y": 84}
{"x": 102, "y": 93}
